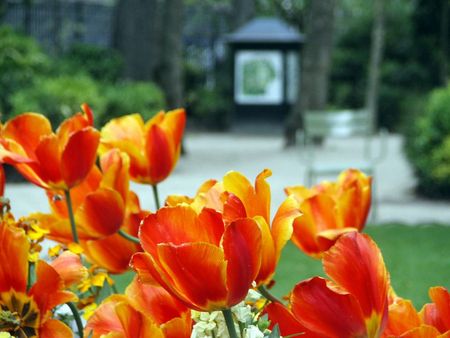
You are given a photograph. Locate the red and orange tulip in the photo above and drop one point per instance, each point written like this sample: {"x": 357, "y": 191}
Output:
{"x": 153, "y": 147}
{"x": 28, "y": 313}
{"x": 99, "y": 202}
{"x": 114, "y": 252}
{"x": 50, "y": 160}
{"x": 144, "y": 311}
{"x": 235, "y": 198}
{"x": 207, "y": 264}
{"x": 329, "y": 210}
{"x": 355, "y": 302}
{"x": 431, "y": 322}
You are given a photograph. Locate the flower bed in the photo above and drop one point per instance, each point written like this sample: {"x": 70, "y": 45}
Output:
{"x": 204, "y": 265}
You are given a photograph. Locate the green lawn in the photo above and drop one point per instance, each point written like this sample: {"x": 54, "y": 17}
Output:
{"x": 417, "y": 257}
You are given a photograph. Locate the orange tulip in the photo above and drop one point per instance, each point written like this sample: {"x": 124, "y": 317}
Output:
{"x": 437, "y": 314}
{"x": 28, "y": 313}
{"x": 330, "y": 210}
{"x": 49, "y": 160}
{"x": 153, "y": 147}
{"x": 144, "y": 311}
{"x": 432, "y": 321}
{"x": 206, "y": 264}
{"x": 99, "y": 202}
{"x": 355, "y": 302}
{"x": 114, "y": 252}
{"x": 235, "y": 198}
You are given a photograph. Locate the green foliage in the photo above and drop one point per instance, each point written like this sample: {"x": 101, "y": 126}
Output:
{"x": 103, "y": 64}
{"x": 58, "y": 97}
{"x": 210, "y": 108}
{"x": 402, "y": 75}
{"x": 21, "y": 60}
{"x": 132, "y": 97}
{"x": 428, "y": 145}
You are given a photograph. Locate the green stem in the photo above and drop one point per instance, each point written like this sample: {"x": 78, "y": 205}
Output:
{"x": 71, "y": 216}
{"x": 77, "y": 318}
{"x": 156, "y": 196}
{"x": 266, "y": 293}
{"x": 230, "y": 323}
{"x": 31, "y": 278}
{"x": 129, "y": 237}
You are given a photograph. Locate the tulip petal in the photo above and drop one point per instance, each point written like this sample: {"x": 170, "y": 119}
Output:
{"x": 155, "y": 302}
{"x": 233, "y": 208}
{"x": 180, "y": 224}
{"x": 256, "y": 200}
{"x": 101, "y": 214}
{"x": 134, "y": 324}
{"x": 268, "y": 253}
{"x": 59, "y": 228}
{"x": 300, "y": 193}
{"x": 160, "y": 155}
{"x": 423, "y": 331}
{"x": 242, "y": 247}
{"x": 437, "y": 313}
{"x": 53, "y": 328}
{"x": 356, "y": 264}
{"x": 115, "y": 166}
{"x": 288, "y": 324}
{"x": 325, "y": 239}
{"x": 325, "y": 311}
{"x": 69, "y": 267}
{"x": 48, "y": 289}
{"x": 402, "y": 318}
{"x": 79, "y": 155}
{"x": 282, "y": 224}
{"x": 14, "y": 247}
{"x": 27, "y": 130}
{"x": 174, "y": 123}
{"x": 111, "y": 252}
{"x": 48, "y": 155}
{"x": 105, "y": 319}
{"x": 199, "y": 272}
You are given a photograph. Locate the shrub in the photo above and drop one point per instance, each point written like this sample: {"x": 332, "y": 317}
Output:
{"x": 58, "y": 97}
{"x": 210, "y": 108}
{"x": 428, "y": 145}
{"x": 103, "y": 64}
{"x": 21, "y": 60}
{"x": 132, "y": 97}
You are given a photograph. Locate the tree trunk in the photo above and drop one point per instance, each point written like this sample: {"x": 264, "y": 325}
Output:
{"x": 242, "y": 11}
{"x": 444, "y": 41}
{"x": 135, "y": 36}
{"x": 376, "y": 55}
{"x": 316, "y": 62}
{"x": 170, "y": 72}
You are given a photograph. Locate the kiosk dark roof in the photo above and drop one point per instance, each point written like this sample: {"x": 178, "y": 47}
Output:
{"x": 266, "y": 30}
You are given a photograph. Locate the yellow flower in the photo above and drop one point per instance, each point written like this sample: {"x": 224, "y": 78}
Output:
{"x": 88, "y": 311}
{"x": 54, "y": 251}
{"x": 75, "y": 248}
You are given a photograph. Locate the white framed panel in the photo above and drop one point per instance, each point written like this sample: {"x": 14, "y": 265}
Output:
{"x": 258, "y": 77}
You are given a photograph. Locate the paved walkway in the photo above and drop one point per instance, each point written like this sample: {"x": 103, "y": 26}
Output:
{"x": 211, "y": 155}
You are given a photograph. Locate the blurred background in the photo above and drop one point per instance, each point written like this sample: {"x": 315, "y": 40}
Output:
{"x": 260, "y": 78}
{"x": 235, "y": 63}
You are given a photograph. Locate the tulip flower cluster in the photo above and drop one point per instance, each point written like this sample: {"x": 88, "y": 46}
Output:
{"x": 203, "y": 265}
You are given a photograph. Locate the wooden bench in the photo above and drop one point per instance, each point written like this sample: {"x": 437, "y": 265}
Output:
{"x": 355, "y": 125}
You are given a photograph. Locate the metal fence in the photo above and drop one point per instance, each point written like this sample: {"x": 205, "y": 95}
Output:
{"x": 57, "y": 25}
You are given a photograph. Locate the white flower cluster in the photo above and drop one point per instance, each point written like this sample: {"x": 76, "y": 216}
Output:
{"x": 212, "y": 324}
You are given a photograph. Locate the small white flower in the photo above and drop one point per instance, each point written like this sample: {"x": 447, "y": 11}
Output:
{"x": 253, "y": 296}
{"x": 253, "y": 332}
